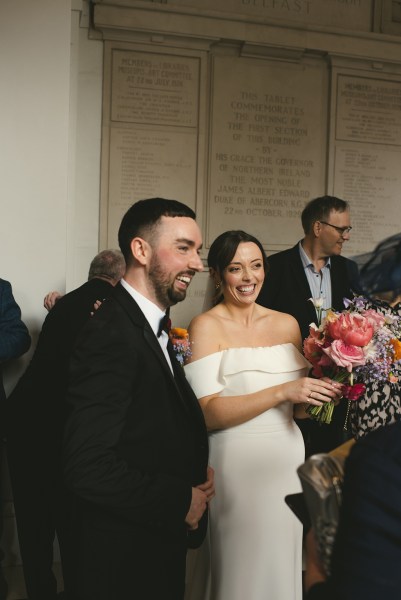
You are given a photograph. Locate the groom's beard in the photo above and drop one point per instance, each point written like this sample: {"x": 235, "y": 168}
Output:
{"x": 163, "y": 283}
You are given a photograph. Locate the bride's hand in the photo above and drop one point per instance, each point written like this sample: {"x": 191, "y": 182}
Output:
{"x": 312, "y": 391}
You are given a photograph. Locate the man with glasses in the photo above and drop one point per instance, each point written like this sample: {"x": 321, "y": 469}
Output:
{"x": 314, "y": 268}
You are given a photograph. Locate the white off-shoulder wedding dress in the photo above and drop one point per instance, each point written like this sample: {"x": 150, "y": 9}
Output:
{"x": 254, "y": 547}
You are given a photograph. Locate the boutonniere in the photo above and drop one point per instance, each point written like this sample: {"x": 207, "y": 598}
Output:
{"x": 180, "y": 340}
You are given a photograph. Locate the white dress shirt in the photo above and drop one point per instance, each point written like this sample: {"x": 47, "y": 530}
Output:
{"x": 319, "y": 281}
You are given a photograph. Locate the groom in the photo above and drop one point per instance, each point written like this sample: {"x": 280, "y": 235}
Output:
{"x": 136, "y": 448}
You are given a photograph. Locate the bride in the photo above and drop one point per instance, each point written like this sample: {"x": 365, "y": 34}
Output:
{"x": 247, "y": 370}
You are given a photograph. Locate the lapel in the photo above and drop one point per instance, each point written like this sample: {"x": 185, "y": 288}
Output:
{"x": 299, "y": 282}
{"x": 182, "y": 390}
{"x": 191, "y": 400}
{"x": 338, "y": 283}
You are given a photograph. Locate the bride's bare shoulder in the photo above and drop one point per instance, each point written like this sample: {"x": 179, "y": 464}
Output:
{"x": 205, "y": 321}
{"x": 281, "y": 326}
{"x": 204, "y": 334}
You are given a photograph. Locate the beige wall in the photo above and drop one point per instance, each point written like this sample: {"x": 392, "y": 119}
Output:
{"x": 50, "y": 115}
{"x": 50, "y": 149}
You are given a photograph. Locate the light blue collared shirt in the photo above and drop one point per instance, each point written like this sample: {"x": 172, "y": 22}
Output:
{"x": 153, "y": 315}
{"x": 319, "y": 281}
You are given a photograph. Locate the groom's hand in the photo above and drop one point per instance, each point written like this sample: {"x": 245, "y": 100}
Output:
{"x": 208, "y": 486}
{"x": 197, "y": 508}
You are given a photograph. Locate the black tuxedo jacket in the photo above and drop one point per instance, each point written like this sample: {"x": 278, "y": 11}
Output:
{"x": 135, "y": 444}
{"x": 35, "y": 416}
{"x": 286, "y": 287}
{"x": 36, "y": 407}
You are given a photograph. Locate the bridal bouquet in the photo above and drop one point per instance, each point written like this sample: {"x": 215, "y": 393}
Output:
{"x": 357, "y": 344}
{"x": 180, "y": 340}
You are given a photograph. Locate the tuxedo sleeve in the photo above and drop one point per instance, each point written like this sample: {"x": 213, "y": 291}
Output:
{"x": 107, "y": 372}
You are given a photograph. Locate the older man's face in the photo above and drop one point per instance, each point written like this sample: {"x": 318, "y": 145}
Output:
{"x": 333, "y": 232}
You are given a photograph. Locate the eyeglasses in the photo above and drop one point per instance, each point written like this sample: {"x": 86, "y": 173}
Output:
{"x": 340, "y": 230}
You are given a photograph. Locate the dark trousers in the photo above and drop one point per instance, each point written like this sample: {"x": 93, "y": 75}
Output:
{"x": 127, "y": 562}
{"x": 3, "y": 583}
{"x": 42, "y": 509}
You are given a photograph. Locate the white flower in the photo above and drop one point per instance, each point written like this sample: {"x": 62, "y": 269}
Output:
{"x": 390, "y": 319}
{"x": 317, "y": 302}
{"x": 370, "y": 351}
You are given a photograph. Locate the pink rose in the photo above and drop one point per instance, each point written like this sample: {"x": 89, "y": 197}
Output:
{"x": 375, "y": 318}
{"x": 351, "y": 328}
{"x": 345, "y": 355}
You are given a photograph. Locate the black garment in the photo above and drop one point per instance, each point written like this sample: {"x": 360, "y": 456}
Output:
{"x": 35, "y": 416}
{"x": 286, "y": 289}
{"x": 135, "y": 445}
{"x": 14, "y": 336}
{"x": 14, "y": 341}
{"x": 367, "y": 551}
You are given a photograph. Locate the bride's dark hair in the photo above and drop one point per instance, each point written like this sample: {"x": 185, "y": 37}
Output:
{"x": 223, "y": 249}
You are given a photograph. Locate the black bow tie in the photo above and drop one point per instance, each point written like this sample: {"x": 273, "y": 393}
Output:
{"x": 164, "y": 325}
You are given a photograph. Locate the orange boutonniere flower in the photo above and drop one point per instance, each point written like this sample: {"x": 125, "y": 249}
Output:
{"x": 179, "y": 333}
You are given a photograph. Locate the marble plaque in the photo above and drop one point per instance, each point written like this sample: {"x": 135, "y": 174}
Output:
{"x": 146, "y": 162}
{"x": 152, "y": 123}
{"x": 160, "y": 89}
{"x": 370, "y": 179}
{"x": 368, "y": 157}
{"x": 368, "y": 110}
{"x": 346, "y": 14}
{"x": 267, "y": 148}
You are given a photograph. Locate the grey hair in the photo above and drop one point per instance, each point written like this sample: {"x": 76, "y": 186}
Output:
{"x": 109, "y": 264}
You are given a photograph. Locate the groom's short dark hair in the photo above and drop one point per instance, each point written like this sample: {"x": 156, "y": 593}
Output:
{"x": 142, "y": 217}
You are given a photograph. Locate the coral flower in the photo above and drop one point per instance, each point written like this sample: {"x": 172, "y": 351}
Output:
{"x": 353, "y": 329}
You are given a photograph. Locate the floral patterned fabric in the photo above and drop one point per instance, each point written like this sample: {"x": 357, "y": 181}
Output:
{"x": 380, "y": 405}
